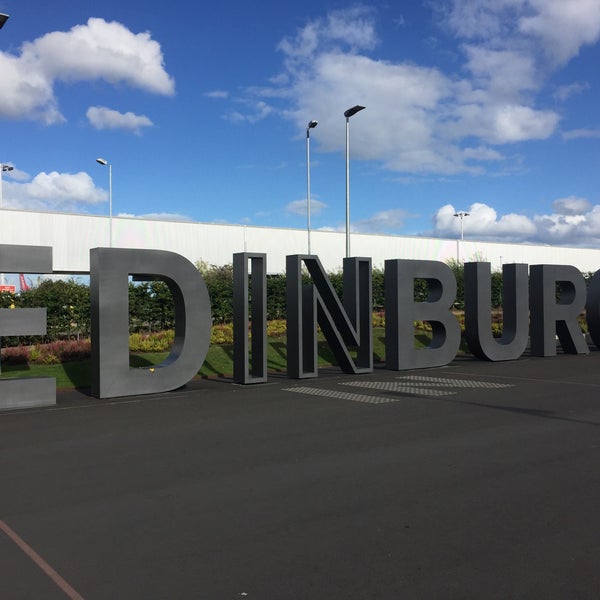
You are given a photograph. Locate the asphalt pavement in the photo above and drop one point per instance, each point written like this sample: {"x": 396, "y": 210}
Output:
{"x": 477, "y": 480}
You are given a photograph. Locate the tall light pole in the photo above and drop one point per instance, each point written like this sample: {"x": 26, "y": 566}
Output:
{"x": 105, "y": 163}
{"x": 350, "y": 112}
{"x": 461, "y": 215}
{"x": 311, "y": 125}
{"x": 3, "y": 169}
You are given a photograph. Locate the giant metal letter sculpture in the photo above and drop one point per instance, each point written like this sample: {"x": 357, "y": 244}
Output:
{"x": 401, "y": 311}
{"x": 37, "y": 391}
{"x": 592, "y": 308}
{"x": 243, "y": 371}
{"x": 343, "y": 326}
{"x": 109, "y": 269}
{"x": 478, "y": 311}
{"x": 549, "y": 317}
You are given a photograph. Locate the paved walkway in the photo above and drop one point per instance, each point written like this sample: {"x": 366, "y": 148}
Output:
{"x": 477, "y": 480}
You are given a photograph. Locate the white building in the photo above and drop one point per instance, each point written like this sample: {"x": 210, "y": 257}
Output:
{"x": 72, "y": 235}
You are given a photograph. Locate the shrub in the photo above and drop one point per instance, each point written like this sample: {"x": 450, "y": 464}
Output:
{"x": 16, "y": 355}
{"x": 35, "y": 354}
{"x": 65, "y": 351}
{"x": 47, "y": 354}
{"x": 378, "y": 319}
{"x": 160, "y": 341}
{"x": 277, "y": 328}
{"x": 222, "y": 334}
{"x": 49, "y": 358}
{"x": 422, "y": 326}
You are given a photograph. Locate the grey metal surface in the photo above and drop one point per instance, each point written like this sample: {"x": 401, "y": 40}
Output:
{"x": 478, "y": 311}
{"x": 401, "y": 311}
{"x": 111, "y": 374}
{"x": 33, "y": 392}
{"x": 21, "y": 392}
{"x": 592, "y": 308}
{"x": 549, "y": 317}
{"x": 25, "y": 259}
{"x": 249, "y": 369}
{"x": 344, "y": 326}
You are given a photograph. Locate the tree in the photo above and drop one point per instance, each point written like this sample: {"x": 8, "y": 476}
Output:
{"x": 151, "y": 306}
{"x": 67, "y": 306}
{"x": 219, "y": 282}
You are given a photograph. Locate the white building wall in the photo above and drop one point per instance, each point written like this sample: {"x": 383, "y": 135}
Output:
{"x": 72, "y": 236}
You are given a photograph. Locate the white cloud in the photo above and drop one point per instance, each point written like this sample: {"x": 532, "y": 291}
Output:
{"x": 557, "y": 28}
{"x": 217, "y": 94}
{"x": 482, "y": 153}
{"x": 105, "y": 118}
{"x": 98, "y": 50}
{"x": 50, "y": 191}
{"x": 298, "y": 207}
{"x": 575, "y": 222}
{"x": 386, "y": 221}
{"x": 418, "y": 118}
{"x": 572, "y": 205}
{"x": 575, "y": 134}
{"x": 564, "y": 92}
{"x": 513, "y": 123}
{"x": 162, "y": 216}
{"x": 562, "y": 27}
{"x": 354, "y": 28}
{"x": 482, "y": 223}
{"x": 475, "y": 19}
{"x": 255, "y": 112}
{"x": 503, "y": 72}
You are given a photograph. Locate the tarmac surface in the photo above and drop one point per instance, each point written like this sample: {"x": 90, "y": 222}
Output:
{"x": 476, "y": 480}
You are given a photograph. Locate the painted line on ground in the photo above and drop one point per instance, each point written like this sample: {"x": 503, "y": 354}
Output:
{"x": 40, "y": 562}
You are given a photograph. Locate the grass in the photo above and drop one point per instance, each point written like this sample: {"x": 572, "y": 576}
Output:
{"x": 218, "y": 362}
{"x": 73, "y": 374}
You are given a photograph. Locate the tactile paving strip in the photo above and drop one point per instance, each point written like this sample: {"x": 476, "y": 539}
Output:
{"x": 341, "y": 395}
{"x": 399, "y": 388}
{"x": 459, "y": 383}
{"x": 409, "y": 385}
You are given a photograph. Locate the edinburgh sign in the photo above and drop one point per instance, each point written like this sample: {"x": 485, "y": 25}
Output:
{"x": 540, "y": 304}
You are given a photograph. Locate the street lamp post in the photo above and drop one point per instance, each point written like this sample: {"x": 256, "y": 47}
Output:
{"x": 461, "y": 215}
{"x": 105, "y": 163}
{"x": 3, "y": 169}
{"x": 349, "y": 113}
{"x": 311, "y": 125}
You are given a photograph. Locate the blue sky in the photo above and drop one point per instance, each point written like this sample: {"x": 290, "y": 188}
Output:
{"x": 486, "y": 107}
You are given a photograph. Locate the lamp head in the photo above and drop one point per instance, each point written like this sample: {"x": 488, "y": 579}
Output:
{"x": 312, "y": 124}
{"x": 3, "y": 19}
{"x": 6, "y": 168}
{"x": 352, "y": 111}
{"x": 102, "y": 161}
